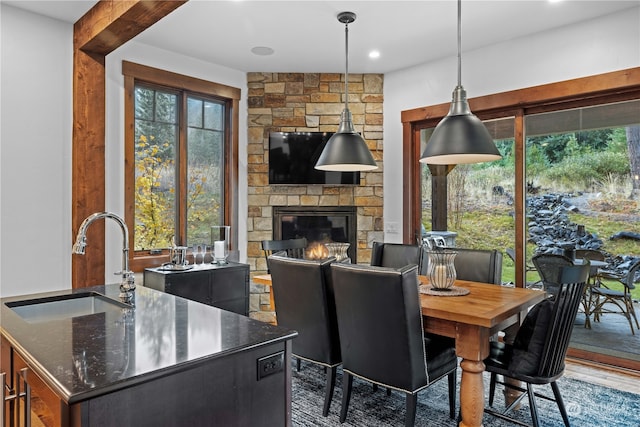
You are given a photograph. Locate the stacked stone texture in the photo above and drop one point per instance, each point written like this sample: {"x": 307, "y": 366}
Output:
{"x": 309, "y": 102}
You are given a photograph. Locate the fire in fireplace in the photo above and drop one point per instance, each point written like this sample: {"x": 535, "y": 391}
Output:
{"x": 319, "y": 225}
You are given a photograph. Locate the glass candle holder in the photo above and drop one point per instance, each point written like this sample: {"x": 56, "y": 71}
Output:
{"x": 339, "y": 251}
{"x": 220, "y": 236}
{"x": 442, "y": 271}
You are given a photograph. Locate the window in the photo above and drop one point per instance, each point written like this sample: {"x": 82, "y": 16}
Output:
{"x": 180, "y": 151}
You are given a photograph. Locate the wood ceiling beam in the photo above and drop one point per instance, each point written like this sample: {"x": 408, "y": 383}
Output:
{"x": 104, "y": 28}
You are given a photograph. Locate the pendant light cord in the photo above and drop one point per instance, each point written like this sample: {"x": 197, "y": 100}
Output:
{"x": 346, "y": 74}
{"x": 459, "y": 43}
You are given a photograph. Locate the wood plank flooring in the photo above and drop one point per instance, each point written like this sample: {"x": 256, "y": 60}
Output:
{"x": 616, "y": 378}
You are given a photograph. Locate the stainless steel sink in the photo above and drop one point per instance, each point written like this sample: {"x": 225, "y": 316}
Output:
{"x": 65, "y": 307}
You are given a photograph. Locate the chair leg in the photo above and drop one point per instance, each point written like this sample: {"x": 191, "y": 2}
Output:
{"x": 560, "y": 402}
{"x": 412, "y": 402}
{"x": 375, "y": 387}
{"x": 347, "y": 383}
{"x": 298, "y": 365}
{"x": 532, "y": 405}
{"x": 492, "y": 388}
{"x": 452, "y": 394}
{"x": 388, "y": 391}
{"x": 328, "y": 393}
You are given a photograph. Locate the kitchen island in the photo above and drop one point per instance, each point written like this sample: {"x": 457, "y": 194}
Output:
{"x": 166, "y": 361}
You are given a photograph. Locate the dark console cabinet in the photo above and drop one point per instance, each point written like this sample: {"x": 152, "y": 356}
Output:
{"x": 223, "y": 286}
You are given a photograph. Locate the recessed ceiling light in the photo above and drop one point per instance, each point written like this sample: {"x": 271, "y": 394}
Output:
{"x": 262, "y": 50}
{"x": 374, "y": 54}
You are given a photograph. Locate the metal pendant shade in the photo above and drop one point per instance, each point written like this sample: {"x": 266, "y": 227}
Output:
{"x": 460, "y": 137}
{"x": 346, "y": 150}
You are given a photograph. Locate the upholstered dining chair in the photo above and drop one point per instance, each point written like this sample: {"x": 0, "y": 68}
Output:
{"x": 537, "y": 355}
{"x": 304, "y": 301}
{"x": 549, "y": 266}
{"x": 293, "y": 247}
{"x": 381, "y": 335}
{"x": 395, "y": 255}
{"x": 479, "y": 265}
{"x": 604, "y": 299}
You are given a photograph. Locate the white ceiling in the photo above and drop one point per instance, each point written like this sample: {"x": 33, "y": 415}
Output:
{"x": 307, "y": 37}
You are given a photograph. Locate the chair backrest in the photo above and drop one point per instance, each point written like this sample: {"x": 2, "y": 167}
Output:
{"x": 542, "y": 341}
{"x": 380, "y": 324}
{"x": 394, "y": 255}
{"x": 630, "y": 279}
{"x": 293, "y": 247}
{"x": 590, "y": 254}
{"x": 479, "y": 265}
{"x": 304, "y": 301}
{"x": 549, "y": 267}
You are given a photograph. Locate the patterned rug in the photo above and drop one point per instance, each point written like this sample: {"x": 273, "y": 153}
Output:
{"x": 588, "y": 405}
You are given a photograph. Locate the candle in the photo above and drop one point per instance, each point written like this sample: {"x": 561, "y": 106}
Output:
{"x": 218, "y": 249}
{"x": 439, "y": 276}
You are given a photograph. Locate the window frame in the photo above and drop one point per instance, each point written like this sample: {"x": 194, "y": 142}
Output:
{"x": 132, "y": 72}
{"x": 604, "y": 88}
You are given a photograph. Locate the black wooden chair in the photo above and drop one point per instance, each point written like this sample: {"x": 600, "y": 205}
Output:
{"x": 293, "y": 247}
{"x": 538, "y": 352}
{"x": 381, "y": 334}
{"x": 606, "y": 300}
{"x": 304, "y": 301}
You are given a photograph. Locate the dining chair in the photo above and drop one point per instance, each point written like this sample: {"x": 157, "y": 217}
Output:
{"x": 293, "y": 247}
{"x": 395, "y": 255}
{"x": 304, "y": 301}
{"x": 382, "y": 338}
{"x": 604, "y": 299}
{"x": 537, "y": 355}
{"x": 549, "y": 267}
{"x": 479, "y": 265}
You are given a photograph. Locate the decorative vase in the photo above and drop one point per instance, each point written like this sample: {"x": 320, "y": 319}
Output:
{"x": 338, "y": 250}
{"x": 442, "y": 271}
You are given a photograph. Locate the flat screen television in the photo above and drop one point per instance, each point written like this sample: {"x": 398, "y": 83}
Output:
{"x": 293, "y": 156}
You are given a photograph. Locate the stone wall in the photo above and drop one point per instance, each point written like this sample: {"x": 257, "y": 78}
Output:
{"x": 309, "y": 102}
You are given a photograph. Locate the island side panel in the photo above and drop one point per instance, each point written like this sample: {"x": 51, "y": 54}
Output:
{"x": 225, "y": 391}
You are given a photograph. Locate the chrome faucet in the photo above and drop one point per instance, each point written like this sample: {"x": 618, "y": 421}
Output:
{"x": 127, "y": 285}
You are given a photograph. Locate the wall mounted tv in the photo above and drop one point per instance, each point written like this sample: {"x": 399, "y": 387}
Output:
{"x": 293, "y": 156}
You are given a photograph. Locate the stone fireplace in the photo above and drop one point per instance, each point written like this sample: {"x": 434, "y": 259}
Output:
{"x": 318, "y": 224}
{"x": 310, "y": 102}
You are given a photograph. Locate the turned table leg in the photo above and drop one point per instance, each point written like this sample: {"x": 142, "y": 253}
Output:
{"x": 471, "y": 393}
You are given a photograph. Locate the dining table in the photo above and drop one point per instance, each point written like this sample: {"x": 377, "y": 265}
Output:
{"x": 471, "y": 317}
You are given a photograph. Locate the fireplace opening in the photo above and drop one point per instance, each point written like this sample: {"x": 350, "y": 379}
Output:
{"x": 319, "y": 225}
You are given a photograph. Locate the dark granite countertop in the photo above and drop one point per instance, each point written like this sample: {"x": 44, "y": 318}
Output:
{"x": 91, "y": 355}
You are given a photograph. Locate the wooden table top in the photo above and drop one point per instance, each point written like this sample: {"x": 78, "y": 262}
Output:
{"x": 485, "y": 305}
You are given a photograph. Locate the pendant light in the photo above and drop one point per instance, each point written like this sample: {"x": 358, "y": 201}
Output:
{"x": 460, "y": 137}
{"x": 346, "y": 150}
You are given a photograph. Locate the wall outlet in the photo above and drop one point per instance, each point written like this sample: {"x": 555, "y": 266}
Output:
{"x": 392, "y": 227}
{"x": 269, "y": 365}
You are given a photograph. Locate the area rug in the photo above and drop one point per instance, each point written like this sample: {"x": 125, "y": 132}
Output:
{"x": 588, "y": 405}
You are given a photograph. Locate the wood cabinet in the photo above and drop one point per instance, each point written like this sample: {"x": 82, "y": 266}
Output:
{"x": 223, "y": 286}
{"x": 28, "y": 399}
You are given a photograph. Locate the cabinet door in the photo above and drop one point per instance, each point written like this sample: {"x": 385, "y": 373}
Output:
{"x": 36, "y": 401}
{"x": 193, "y": 285}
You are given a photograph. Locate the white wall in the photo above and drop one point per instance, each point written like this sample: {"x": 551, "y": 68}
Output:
{"x": 602, "y": 45}
{"x": 35, "y": 153}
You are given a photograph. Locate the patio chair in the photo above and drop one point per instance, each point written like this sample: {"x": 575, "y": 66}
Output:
{"x": 607, "y": 300}
{"x": 537, "y": 355}
{"x": 511, "y": 253}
